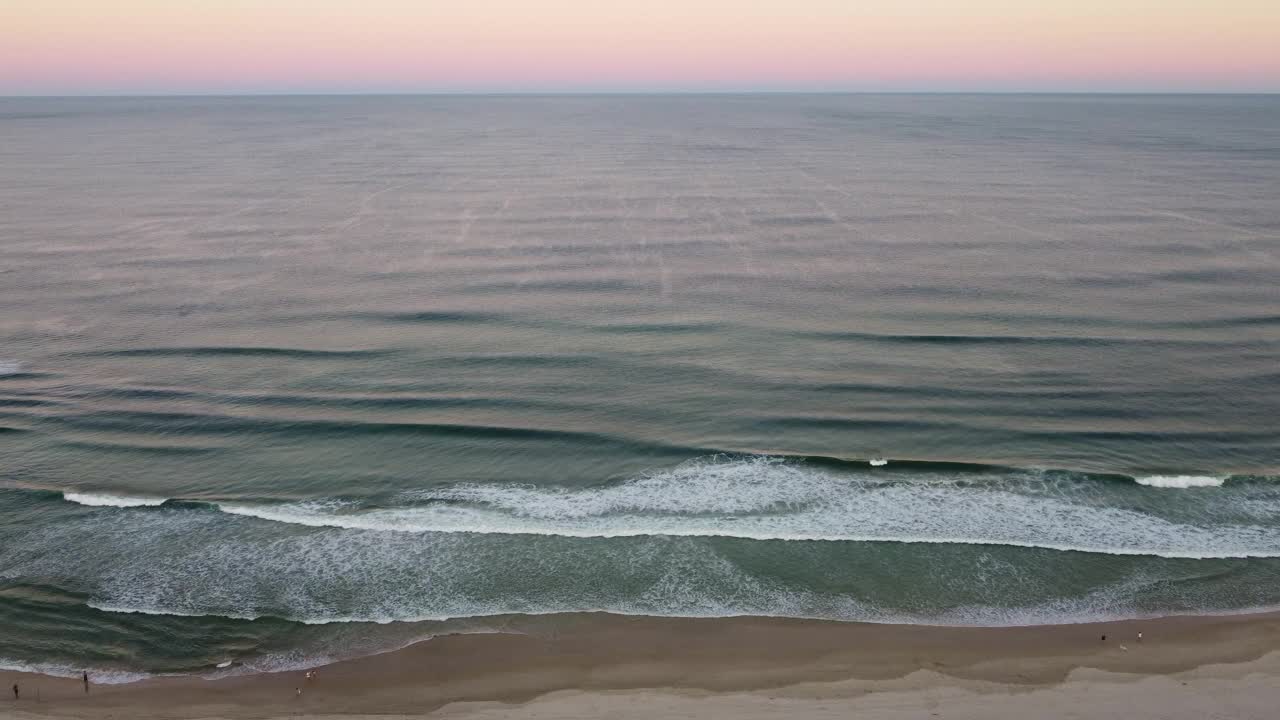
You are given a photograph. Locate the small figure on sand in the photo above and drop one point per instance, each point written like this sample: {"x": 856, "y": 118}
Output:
{"x": 1139, "y": 636}
{"x": 1104, "y": 638}
{"x": 297, "y": 692}
{"x": 86, "y": 682}
{"x": 15, "y": 691}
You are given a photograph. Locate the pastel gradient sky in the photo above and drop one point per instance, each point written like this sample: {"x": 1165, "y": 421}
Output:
{"x": 231, "y": 46}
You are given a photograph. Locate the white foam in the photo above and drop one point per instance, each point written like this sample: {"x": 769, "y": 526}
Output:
{"x": 768, "y": 499}
{"x": 401, "y": 564}
{"x": 1106, "y": 604}
{"x": 125, "y": 610}
{"x": 99, "y": 677}
{"x": 1180, "y": 481}
{"x": 10, "y": 367}
{"x": 877, "y": 462}
{"x": 107, "y": 500}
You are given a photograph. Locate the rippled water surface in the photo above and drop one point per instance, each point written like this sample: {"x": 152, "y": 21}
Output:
{"x": 291, "y": 378}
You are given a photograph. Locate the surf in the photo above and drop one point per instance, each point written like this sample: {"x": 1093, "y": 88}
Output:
{"x": 1180, "y": 481}
{"x": 777, "y": 499}
{"x": 111, "y": 500}
{"x": 774, "y": 498}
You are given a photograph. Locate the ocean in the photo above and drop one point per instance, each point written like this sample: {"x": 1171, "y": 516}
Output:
{"x": 288, "y": 379}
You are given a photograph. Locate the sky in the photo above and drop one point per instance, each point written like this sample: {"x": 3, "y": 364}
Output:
{"x": 55, "y": 47}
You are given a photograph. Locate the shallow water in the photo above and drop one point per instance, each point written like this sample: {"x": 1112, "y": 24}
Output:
{"x": 277, "y": 372}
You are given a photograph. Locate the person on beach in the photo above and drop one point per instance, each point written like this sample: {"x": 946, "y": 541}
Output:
{"x": 86, "y": 682}
{"x": 15, "y": 691}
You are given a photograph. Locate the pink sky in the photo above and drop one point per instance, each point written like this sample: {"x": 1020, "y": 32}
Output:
{"x": 142, "y": 46}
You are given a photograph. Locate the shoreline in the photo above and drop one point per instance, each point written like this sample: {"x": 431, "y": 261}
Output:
{"x": 599, "y": 658}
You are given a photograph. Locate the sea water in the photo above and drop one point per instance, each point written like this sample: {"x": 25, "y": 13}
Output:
{"x": 290, "y": 379}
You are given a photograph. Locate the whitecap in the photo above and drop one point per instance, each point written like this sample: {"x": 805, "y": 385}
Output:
{"x": 108, "y": 500}
{"x": 1180, "y": 481}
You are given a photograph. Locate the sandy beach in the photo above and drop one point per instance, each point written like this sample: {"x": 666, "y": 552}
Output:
{"x": 593, "y": 665}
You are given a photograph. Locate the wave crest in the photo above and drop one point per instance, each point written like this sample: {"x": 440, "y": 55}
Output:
{"x": 109, "y": 500}
{"x": 1180, "y": 481}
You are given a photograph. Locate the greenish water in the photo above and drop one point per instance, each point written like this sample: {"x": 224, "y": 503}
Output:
{"x": 288, "y": 379}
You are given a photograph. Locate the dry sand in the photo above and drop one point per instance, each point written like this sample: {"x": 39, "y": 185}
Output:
{"x": 597, "y": 666}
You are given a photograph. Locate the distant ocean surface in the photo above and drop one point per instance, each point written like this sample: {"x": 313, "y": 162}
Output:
{"x": 288, "y": 379}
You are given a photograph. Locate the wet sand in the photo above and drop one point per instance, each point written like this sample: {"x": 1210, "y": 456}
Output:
{"x": 594, "y": 665}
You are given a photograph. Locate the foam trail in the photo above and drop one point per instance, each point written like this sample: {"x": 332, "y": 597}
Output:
{"x": 747, "y": 529}
{"x": 10, "y": 367}
{"x": 1180, "y": 481}
{"x": 768, "y": 499}
{"x": 107, "y": 500}
{"x": 123, "y": 610}
{"x": 99, "y": 677}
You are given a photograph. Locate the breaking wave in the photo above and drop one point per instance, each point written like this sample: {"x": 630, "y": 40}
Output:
{"x": 1180, "y": 481}
{"x": 108, "y": 500}
{"x": 767, "y": 498}
{"x": 703, "y": 538}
